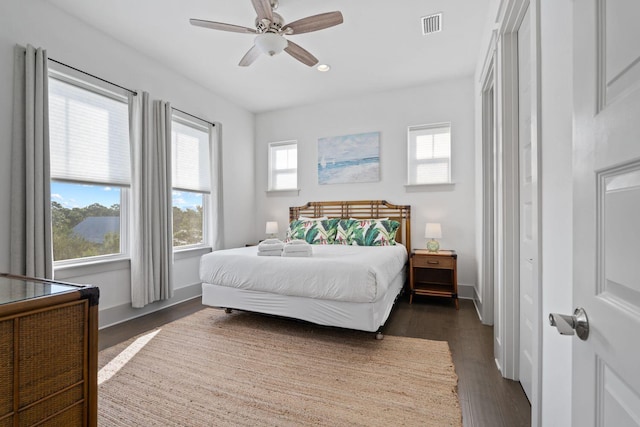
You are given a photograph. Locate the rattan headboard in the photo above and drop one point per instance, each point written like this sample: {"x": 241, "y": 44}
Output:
{"x": 360, "y": 209}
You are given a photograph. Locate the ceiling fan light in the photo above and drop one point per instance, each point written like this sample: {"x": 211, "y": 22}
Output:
{"x": 270, "y": 43}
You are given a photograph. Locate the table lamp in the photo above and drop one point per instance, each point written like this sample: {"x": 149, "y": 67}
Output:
{"x": 272, "y": 229}
{"x": 432, "y": 232}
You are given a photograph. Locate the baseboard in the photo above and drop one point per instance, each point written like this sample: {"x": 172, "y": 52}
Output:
{"x": 478, "y": 310}
{"x": 121, "y": 313}
{"x": 466, "y": 291}
{"x": 477, "y": 302}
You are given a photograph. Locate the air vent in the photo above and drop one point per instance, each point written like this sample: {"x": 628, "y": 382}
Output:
{"x": 432, "y": 23}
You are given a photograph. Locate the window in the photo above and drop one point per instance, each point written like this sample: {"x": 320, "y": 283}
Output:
{"x": 283, "y": 165}
{"x": 429, "y": 154}
{"x": 90, "y": 168}
{"x": 190, "y": 157}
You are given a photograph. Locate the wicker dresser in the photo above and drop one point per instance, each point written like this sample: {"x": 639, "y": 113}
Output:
{"x": 48, "y": 352}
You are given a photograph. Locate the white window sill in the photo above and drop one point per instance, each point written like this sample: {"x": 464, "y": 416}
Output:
{"x": 443, "y": 186}
{"x": 283, "y": 193}
{"x": 85, "y": 268}
{"x": 190, "y": 252}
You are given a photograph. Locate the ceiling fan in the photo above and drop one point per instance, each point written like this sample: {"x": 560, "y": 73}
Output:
{"x": 271, "y": 29}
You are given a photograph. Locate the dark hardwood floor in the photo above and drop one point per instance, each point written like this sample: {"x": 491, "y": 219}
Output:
{"x": 486, "y": 398}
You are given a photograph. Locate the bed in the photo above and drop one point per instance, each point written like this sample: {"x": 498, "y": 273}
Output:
{"x": 342, "y": 285}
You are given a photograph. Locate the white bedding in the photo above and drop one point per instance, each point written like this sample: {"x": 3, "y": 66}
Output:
{"x": 333, "y": 272}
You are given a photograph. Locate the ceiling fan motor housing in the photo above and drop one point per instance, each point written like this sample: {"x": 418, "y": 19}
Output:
{"x": 266, "y": 26}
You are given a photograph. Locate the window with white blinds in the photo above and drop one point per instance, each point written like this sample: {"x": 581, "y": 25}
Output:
{"x": 89, "y": 135}
{"x": 191, "y": 176}
{"x": 190, "y": 157}
{"x": 90, "y": 168}
{"x": 283, "y": 165}
{"x": 429, "y": 152}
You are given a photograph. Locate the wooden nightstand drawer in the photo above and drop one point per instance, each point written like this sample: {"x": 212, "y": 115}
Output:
{"x": 432, "y": 261}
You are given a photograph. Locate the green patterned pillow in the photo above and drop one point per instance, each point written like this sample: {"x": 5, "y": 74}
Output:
{"x": 375, "y": 233}
{"x": 345, "y": 231}
{"x": 319, "y": 232}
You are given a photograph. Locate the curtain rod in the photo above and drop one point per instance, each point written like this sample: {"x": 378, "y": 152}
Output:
{"x": 124, "y": 88}
{"x": 94, "y": 76}
{"x": 195, "y": 117}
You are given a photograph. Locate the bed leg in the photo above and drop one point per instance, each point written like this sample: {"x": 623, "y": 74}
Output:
{"x": 227, "y": 310}
{"x": 379, "y": 335}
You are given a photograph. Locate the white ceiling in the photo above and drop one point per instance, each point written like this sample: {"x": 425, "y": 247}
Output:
{"x": 379, "y": 46}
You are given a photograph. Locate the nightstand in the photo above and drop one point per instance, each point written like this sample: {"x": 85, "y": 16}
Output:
{"x": 433, "y": 274}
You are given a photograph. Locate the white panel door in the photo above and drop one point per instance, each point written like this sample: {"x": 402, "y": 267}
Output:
{"x": 528, "y": 240}
{"x": 606, "y": 235}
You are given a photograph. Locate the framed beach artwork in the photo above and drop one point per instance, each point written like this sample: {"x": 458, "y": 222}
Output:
{"x": 349, "y": 158}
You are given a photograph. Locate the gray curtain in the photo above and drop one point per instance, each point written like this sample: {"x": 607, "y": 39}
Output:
{"x": 31, "y": 248}
{"x": 151, "y": 220}
{"x": 216, "y": 230}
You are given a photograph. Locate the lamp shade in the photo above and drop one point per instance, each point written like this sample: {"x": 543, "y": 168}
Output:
{"x": 433, "y": 231}
{"x": 272, "y": 227}
{"x": 270, "y": 43}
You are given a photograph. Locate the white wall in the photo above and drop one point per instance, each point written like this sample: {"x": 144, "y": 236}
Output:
{"x": 72, "y": 42}
{"x": 390, "y": 113}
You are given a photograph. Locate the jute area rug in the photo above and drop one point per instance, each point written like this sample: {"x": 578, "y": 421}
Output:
{"x": 212, "y": 368}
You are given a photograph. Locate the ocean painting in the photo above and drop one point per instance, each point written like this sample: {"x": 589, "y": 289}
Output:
{"x": 349, "y": 158}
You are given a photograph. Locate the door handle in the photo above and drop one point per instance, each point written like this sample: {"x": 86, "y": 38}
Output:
{"x": 577, "y": 324}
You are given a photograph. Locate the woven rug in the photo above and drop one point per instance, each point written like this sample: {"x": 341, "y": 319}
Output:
{"x": 212, "y": 368}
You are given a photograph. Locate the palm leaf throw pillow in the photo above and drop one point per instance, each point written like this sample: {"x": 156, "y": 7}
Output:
{"x": 375, "y": 233}
{"x": 316, "y": 232}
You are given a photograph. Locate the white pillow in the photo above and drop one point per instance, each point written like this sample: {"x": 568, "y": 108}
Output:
{"x": 305, "y": 218}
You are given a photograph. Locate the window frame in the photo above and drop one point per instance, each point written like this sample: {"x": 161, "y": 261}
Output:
{"x": 413, "y": 163}
{"x": 272, "y": 147}
{"x": 89, "y": 83}
{"x": 193, "y": 122}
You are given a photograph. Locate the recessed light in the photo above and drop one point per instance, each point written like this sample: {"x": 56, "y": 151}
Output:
{"x": 323, "y": 68}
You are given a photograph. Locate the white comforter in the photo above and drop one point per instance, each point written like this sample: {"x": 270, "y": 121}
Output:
{"x": 333, "y": 272}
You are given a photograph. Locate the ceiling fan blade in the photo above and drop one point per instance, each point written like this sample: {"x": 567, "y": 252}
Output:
{"x": 263, "y": 9}
{"x": 300, "y": 54}
{"x": 315, "y": 23}
{"x": 221, "y": 26}
{"x": 250, "y": 57}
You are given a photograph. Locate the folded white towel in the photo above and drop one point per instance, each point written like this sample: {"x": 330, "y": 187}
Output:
{"x": 297, "y": 246}
{"x": 274, "y": 249}
{"x": 271, "y": 244}
{"x": 297, "y": 242}
{"x": 276, "y": 252}
{"x": 296, "y": 249}
{"x": 297, "y": 254}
